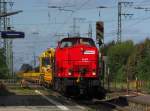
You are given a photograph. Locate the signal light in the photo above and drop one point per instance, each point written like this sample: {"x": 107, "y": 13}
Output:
{"x": 99, "y": 31}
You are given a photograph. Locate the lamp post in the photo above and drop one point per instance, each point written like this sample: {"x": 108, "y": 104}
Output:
{"x": 35, "y": 34}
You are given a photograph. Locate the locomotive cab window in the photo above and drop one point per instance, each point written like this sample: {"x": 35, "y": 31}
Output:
{"x": 71, "y": 42}
{"x": 66, "y": 44}
{"x": 89, "y": 42}
{"x": 45, "y": 61}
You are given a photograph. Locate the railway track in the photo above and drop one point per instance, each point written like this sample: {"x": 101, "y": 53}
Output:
{"x": 48, "y": 98}
{"x": 100, "y": 105}
{"x": 118, "y": 103}
{"x": 40, "y": 96}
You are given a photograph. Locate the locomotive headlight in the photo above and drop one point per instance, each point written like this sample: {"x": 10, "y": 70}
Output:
{"x": 94, "y": 72}
{"x": 81, "y": 49}
{"x": 70, "y": 72}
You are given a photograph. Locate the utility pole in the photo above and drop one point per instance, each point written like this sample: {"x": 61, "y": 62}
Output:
{"x": 119, "y": 22}
{"x": 121, "y": 5}
{"x": 34, "y": 59}
{"x": 75, "y": 27}
{"x": 90, "y": 31}
{"x": 3, "y": 20}
{"x": 5, "y": 26}
{"x": 35, "y": 35}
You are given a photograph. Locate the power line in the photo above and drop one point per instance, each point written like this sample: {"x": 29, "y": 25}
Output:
{"x": 66, "y": 21}
{"x": 139, "y": 21}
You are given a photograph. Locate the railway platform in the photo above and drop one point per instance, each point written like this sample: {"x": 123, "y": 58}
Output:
{"x": 139, "y": 103}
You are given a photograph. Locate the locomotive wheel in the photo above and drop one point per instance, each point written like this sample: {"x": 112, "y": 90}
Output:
{"x": 55, "y": 85}
{"x": 66, "y": 89}
{"x": 41, "y": 80}
{"x": 100, "y": 92}
{"x": 72, "y": 91}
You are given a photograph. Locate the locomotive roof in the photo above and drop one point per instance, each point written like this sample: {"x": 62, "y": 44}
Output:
{"x": 68, "y": 38}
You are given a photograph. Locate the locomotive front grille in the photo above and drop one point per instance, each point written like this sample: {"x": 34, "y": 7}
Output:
{"x": 81, "y": 69}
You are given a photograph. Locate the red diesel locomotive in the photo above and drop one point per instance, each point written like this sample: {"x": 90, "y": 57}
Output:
{"x": 77, "y": 67}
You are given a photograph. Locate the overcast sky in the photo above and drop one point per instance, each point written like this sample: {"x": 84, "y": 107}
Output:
{"x": 41, "y": 24}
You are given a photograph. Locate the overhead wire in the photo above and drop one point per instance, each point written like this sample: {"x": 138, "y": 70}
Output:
{"x": 139, "y": 21}
{"x": 142, "y": 19}
{"x": 66, "y": 21}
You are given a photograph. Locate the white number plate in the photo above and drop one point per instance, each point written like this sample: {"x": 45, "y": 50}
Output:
{"x": 89, "y": 52}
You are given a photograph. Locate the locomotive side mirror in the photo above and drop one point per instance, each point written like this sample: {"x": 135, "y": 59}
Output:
{"x": 58, "y": 43}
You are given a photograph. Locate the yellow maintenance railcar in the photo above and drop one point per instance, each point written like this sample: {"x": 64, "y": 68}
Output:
{"x": 44, "y": 76}
{"x": 46, "y": 66}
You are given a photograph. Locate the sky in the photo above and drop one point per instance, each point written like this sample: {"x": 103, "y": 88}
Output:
{"x": 43, "y": 25}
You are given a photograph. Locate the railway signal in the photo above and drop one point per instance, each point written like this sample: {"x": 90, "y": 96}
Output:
{"x": 99, "y": 32}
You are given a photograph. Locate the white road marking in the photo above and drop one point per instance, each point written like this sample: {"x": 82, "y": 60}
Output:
{"x": 59, "y": 105}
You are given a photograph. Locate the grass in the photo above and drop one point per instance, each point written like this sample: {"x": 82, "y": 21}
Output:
{"x": 142, "y": 87}
{"x": 18, "y": 90}
{"x": 22, "y": 91}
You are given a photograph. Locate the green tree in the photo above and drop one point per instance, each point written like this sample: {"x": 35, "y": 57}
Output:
{"x": 118, "y": 57}
{"x": 143, "y": 69}
{"x": 3, "y": 66}
{"x": 143, "y": 61}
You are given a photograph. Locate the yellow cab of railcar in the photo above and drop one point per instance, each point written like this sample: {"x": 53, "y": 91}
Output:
{"x": 46, "y": 60}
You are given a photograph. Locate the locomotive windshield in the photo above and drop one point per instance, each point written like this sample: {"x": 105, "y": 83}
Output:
{"x": 74, "y": 41}
{"x": 89, "y": 42}
{"x": 66, "y": 44}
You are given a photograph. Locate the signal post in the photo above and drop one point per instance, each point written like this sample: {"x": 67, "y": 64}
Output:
{"x": 100, "y": 42}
